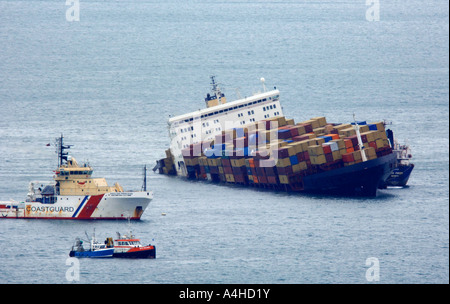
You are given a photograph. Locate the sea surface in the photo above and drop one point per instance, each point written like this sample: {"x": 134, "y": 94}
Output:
{"x": 110, "y": 81}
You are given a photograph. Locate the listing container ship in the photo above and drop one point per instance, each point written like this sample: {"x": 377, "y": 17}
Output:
{"x": 74, "y": 194}
{"x": 250, "y": 142}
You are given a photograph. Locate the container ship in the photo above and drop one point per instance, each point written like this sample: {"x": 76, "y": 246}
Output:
{"x": 250, "y": 142}
{"x": 74, "y": 194}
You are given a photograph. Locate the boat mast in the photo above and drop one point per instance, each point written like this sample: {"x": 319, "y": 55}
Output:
{"x": 144, "y": 184}
{"x": 60, "y": 150}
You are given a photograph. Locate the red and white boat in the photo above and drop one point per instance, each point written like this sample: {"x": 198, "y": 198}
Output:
{"x": 127, "y": 246}
{"x": 74, "y": 194}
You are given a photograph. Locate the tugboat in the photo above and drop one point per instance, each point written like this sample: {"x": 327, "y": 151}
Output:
{"x": 127, "y": 246}
{"x": 96, "y": 249}
{"x": 400, "y": 174}
{"x": 75, "y": 194}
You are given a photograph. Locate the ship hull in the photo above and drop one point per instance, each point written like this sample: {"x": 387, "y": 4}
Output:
{"x": 361, "y": 179}
{"x": 115, "y": 205}
{"x": 399, "y": 176}
{"x": 102, "y": 253}
{"x": 148, "y": 252}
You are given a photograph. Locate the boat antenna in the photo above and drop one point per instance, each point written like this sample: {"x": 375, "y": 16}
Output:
{"x": 60, "y": 150}
{"x": 144, "y": 184}
{"x": 264, "y": 86}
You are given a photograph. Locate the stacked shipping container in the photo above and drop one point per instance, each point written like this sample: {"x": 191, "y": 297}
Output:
{"x": 277, "y": 152}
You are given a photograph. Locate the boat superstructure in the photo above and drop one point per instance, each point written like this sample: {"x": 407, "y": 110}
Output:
{"x": 96, "y": 249}
{"x": 128, "y": 246}
{"x": 75, "y": 194}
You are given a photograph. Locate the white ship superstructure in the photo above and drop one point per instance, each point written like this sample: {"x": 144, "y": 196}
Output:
{"x": 205, "y": 124}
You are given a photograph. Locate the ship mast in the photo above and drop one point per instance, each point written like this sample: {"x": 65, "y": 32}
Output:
{"x": 60, "y": 150}
{"x": 144, "y": 184}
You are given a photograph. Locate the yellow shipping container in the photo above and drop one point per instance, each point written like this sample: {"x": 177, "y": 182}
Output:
{"x": 315, "y": 124}
{"x": 303, "y": 165}
{"x": 291, "y": 150}
{"x": 321, "y": 120}
{"x": 342, "y": 126}
{"x": 379, "y": 143}
{"x": 336, "y": 155}
{"x": 290, "y": 122}
{"x": 283, "y": 162}
{"x": 347, "y": 132}
{"x": 318, "y": 159}
{"x": 370, "y": 153}
{"x": 370, "y": 135}
{"x": 229, "y": 178}
{"x": 318, "y": 131}
{"x": 315, "y": 150}
{"x": 240, "y": 162}
{"x": 364, "y": 128}
{"x": 283, "y": 179}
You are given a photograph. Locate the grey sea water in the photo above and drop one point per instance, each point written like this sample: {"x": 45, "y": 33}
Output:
{"x": 109, "y": 82}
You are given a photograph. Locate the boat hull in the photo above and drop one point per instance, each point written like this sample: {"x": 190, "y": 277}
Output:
{"x": 399, "y": 176}
{"x": 102, "y": 253}
{"x": 115, "y": 205}
{"x": 146, "y": 252}
{"x": 361, "y": 179}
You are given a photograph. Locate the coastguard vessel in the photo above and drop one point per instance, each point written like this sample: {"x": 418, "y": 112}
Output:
{"x": 74, "y": 194}
{"x": 250, "y": 142}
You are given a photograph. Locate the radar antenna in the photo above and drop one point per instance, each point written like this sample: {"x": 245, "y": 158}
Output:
{"x": 60, "y": 150}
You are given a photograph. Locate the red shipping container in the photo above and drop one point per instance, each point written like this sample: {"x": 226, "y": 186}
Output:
{"x": 373, "y": 144}
{"x": 270, "y": 171}
{"x": 348, "y": 157}
{"x": 272, "y": 180}
{"x": 227, "y": 170}
{"x": 294, "y": 132}
{"x": 283, "y": 153}
{"x": 285, "y": 170}
{"x": 348, "y": 143}
{"x": 326, "y": 149}
{"x": 226, "y": 162}
{"x": 262, "y": 179}
{"x": 308, "y": 127}
{"x": 364, "y": 138}
{"x": 306, "y": 155}
{"x": 239, "y": 178}
{"x": 329, "y": 157}
{"x": 354, "y": 140}
{"x": 300, "y": 138}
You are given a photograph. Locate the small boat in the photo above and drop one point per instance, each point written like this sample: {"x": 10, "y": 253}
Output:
{"x": 96, "y": 249}
{"x": 127, "y": 246}
{"x": 400, "y": 174}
